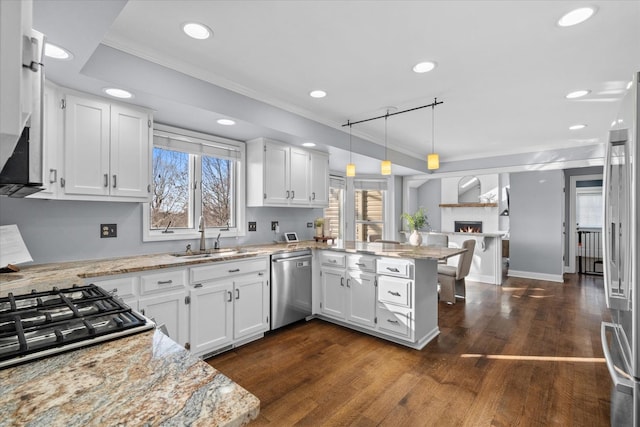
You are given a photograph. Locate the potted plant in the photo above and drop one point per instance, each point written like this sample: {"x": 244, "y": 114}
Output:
{"x": 319, "y": 222}
{"x": 416, "y": 222}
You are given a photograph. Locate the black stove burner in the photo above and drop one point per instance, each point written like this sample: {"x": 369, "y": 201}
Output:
{"x": 43, "y": 323}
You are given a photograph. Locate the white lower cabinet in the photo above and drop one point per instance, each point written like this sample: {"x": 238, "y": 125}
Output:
{"x": 125, "y": 287}
{"x": 229, "y": 304}
{"x": 347, "y": 294}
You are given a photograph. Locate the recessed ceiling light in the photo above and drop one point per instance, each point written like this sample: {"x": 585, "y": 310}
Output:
{"x": 226, "y": 122}
{"x": 424, "y": 67}
{"x": 576, "y": 16}
{"x": 56, "y": 52}
{"x": 629, "y": 85}
{"x": 197, "y": 31}
{"x": 577, "y": 127}
{"x": 118, "y": 93}
{"x": 308, "y": 144}
{"x": 577, "y": 94}
{"x": 317, "y": 94}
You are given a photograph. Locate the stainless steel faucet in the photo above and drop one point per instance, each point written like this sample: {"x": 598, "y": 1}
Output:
{"x": 216, "y": 244}
{"x": 201, "y": 228}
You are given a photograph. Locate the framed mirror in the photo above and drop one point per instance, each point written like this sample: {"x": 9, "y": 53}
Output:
{"x": 469, "y": 189}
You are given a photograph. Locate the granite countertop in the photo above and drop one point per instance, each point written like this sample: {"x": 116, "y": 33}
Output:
{"x": 144, "y": 379}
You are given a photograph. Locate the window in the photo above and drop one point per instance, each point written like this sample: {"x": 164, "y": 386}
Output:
{"x": 589, "y": 207}
{"x": 194, "y": 175}
{"x": 369, "y": 205}
{"x": 334, "y": 214}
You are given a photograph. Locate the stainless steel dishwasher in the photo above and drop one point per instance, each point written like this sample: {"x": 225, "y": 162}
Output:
{"x": 290, "y": 287}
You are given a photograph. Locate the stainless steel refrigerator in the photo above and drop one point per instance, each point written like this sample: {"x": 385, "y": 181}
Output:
{"x": 621, "y": 336}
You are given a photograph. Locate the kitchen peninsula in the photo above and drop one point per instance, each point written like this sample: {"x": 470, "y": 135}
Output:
{"x": 150, "y": 379}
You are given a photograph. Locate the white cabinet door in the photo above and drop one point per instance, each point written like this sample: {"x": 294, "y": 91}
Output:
{"x": 130, "y": 153}
{"x": 333, "y": 293}
{"x": 86, "y": 146}
{"x": 299, "y": 177}
{"x": 319, "y": 179}
{"x": 251, "y": 305}
{"x": 169, "y": 309}
{"x": 276, "y": 173}
{"x": 211, "y": 317}
{"x": 362, "y": 298}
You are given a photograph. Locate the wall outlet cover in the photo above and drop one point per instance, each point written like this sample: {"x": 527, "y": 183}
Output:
{"x": 108, "y": 230}
{"x": 253, "y": 226}
{"x": 309, "y": 225}
{"x": 274, "y": 224}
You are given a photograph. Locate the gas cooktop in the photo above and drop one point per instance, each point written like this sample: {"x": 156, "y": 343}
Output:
{"x": 40, "y": 324}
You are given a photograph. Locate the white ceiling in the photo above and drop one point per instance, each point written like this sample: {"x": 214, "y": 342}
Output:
{"x": 504, "y": 67}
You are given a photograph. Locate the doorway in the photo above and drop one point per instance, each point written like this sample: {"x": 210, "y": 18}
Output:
{"x": 585, "y": 225}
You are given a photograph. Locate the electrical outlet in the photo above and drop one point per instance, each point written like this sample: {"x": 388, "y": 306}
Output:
{"x": 108, "y": 230}
{"x": 253, "y": 226}
{"x": 309, "y": 225}
{"x": 274, "y": 225}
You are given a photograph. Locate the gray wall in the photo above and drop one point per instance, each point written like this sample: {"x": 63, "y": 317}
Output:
{"x": 536, "y": 215}
{"x": 429, "y": 196}
{"x": 56, "y": 230}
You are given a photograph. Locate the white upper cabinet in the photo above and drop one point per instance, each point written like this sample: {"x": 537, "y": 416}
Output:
{"x": 281, "y": 175}
{"x": 95, "y": 149}
{"x": 319, "y": 179}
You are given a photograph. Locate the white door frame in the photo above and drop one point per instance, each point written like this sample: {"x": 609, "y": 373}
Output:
{"x": 571, "y": 268}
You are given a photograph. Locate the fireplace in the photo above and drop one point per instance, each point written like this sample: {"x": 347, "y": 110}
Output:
{"x": 468, "y": 226}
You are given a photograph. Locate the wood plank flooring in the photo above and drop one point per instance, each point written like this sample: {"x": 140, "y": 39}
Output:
{"x": 524, "y": 354}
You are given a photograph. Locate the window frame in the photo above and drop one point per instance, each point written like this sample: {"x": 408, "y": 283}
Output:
{"x": 239, "y": 208}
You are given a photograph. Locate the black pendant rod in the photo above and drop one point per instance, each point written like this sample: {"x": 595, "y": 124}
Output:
{"x": 433, "y": 104}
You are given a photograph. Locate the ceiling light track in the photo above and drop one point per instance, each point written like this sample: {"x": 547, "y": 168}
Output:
{"x": 387, "y": 115}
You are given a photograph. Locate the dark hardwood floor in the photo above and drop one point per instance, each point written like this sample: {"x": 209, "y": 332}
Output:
{"x": 524, "y": 354}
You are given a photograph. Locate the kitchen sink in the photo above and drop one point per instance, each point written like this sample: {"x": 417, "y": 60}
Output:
{"x": 209, "y": 254}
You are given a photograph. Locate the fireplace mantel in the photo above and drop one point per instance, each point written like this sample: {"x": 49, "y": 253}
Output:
{"x": 468, "y": 205}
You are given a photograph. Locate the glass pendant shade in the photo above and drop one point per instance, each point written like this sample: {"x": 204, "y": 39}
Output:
{"x": 385, "y": 167}
{"x": 351, "y": 169}
{"x": 433, "y": 161}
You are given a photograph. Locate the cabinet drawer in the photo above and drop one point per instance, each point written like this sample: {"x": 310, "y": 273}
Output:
{"x": 361, "y": 262}
{"x": 397, "y": 322}
{"x": 161, "y": 281}
{"x": 124, "y": 287}
{"x": 395, "y": 267}
{"x": 394, "y": 290}
{"x": 220, "y": 270}
{"x": 332, "y": 258}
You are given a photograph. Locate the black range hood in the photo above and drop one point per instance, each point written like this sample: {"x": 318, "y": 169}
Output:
{"x": 20, "y": 177}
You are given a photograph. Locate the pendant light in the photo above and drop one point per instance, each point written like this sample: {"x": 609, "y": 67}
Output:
{"x": 351, "y": 167}
{"x": 433, "y": 159}
{"x": 385, "y": 165}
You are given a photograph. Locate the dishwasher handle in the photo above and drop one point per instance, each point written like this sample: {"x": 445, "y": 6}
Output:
{"x": 295, "y": 258}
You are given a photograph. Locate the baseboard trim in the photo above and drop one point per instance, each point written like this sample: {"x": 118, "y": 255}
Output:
{"x": 536, "y": 276}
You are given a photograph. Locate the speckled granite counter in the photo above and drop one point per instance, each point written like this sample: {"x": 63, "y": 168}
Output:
{"x": 144, "y": 379}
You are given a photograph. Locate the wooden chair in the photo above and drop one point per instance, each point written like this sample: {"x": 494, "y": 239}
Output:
{"x": 451, "y": 278}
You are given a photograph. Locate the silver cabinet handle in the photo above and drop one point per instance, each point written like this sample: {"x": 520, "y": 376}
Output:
{"x": 293, "y": 194}
{"x": 143, "y": 312}
{"x": 395, "y": 294}
{"x": 395, "y": 322}
{"x": 360, "y": 264}
{"x": 260, "y": 274}
{"x": 235, "y": 270}
{"x": 348, "y": 281}
{"x": 114, "y": 291}
{"x": 333, "y": 261}
{"x": 230, "y": 296}
{"x": 395, "y": 270}
{"x": 287, "y": 194}
{"x": 237, "y": 293}
{"x": 313, "y": 195}
{"x": 62, "y": 182}
{"x": 106, "y": 179}
{"x": 165, "y": 282}
{"x": 620, "y": 378}
{"x": 197, "y": 285}
{"x": 342, "y": 281}
{"x": 149, "y": 188}
{"x": 53, "y": 175}
{"x": 114, "y": 181}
